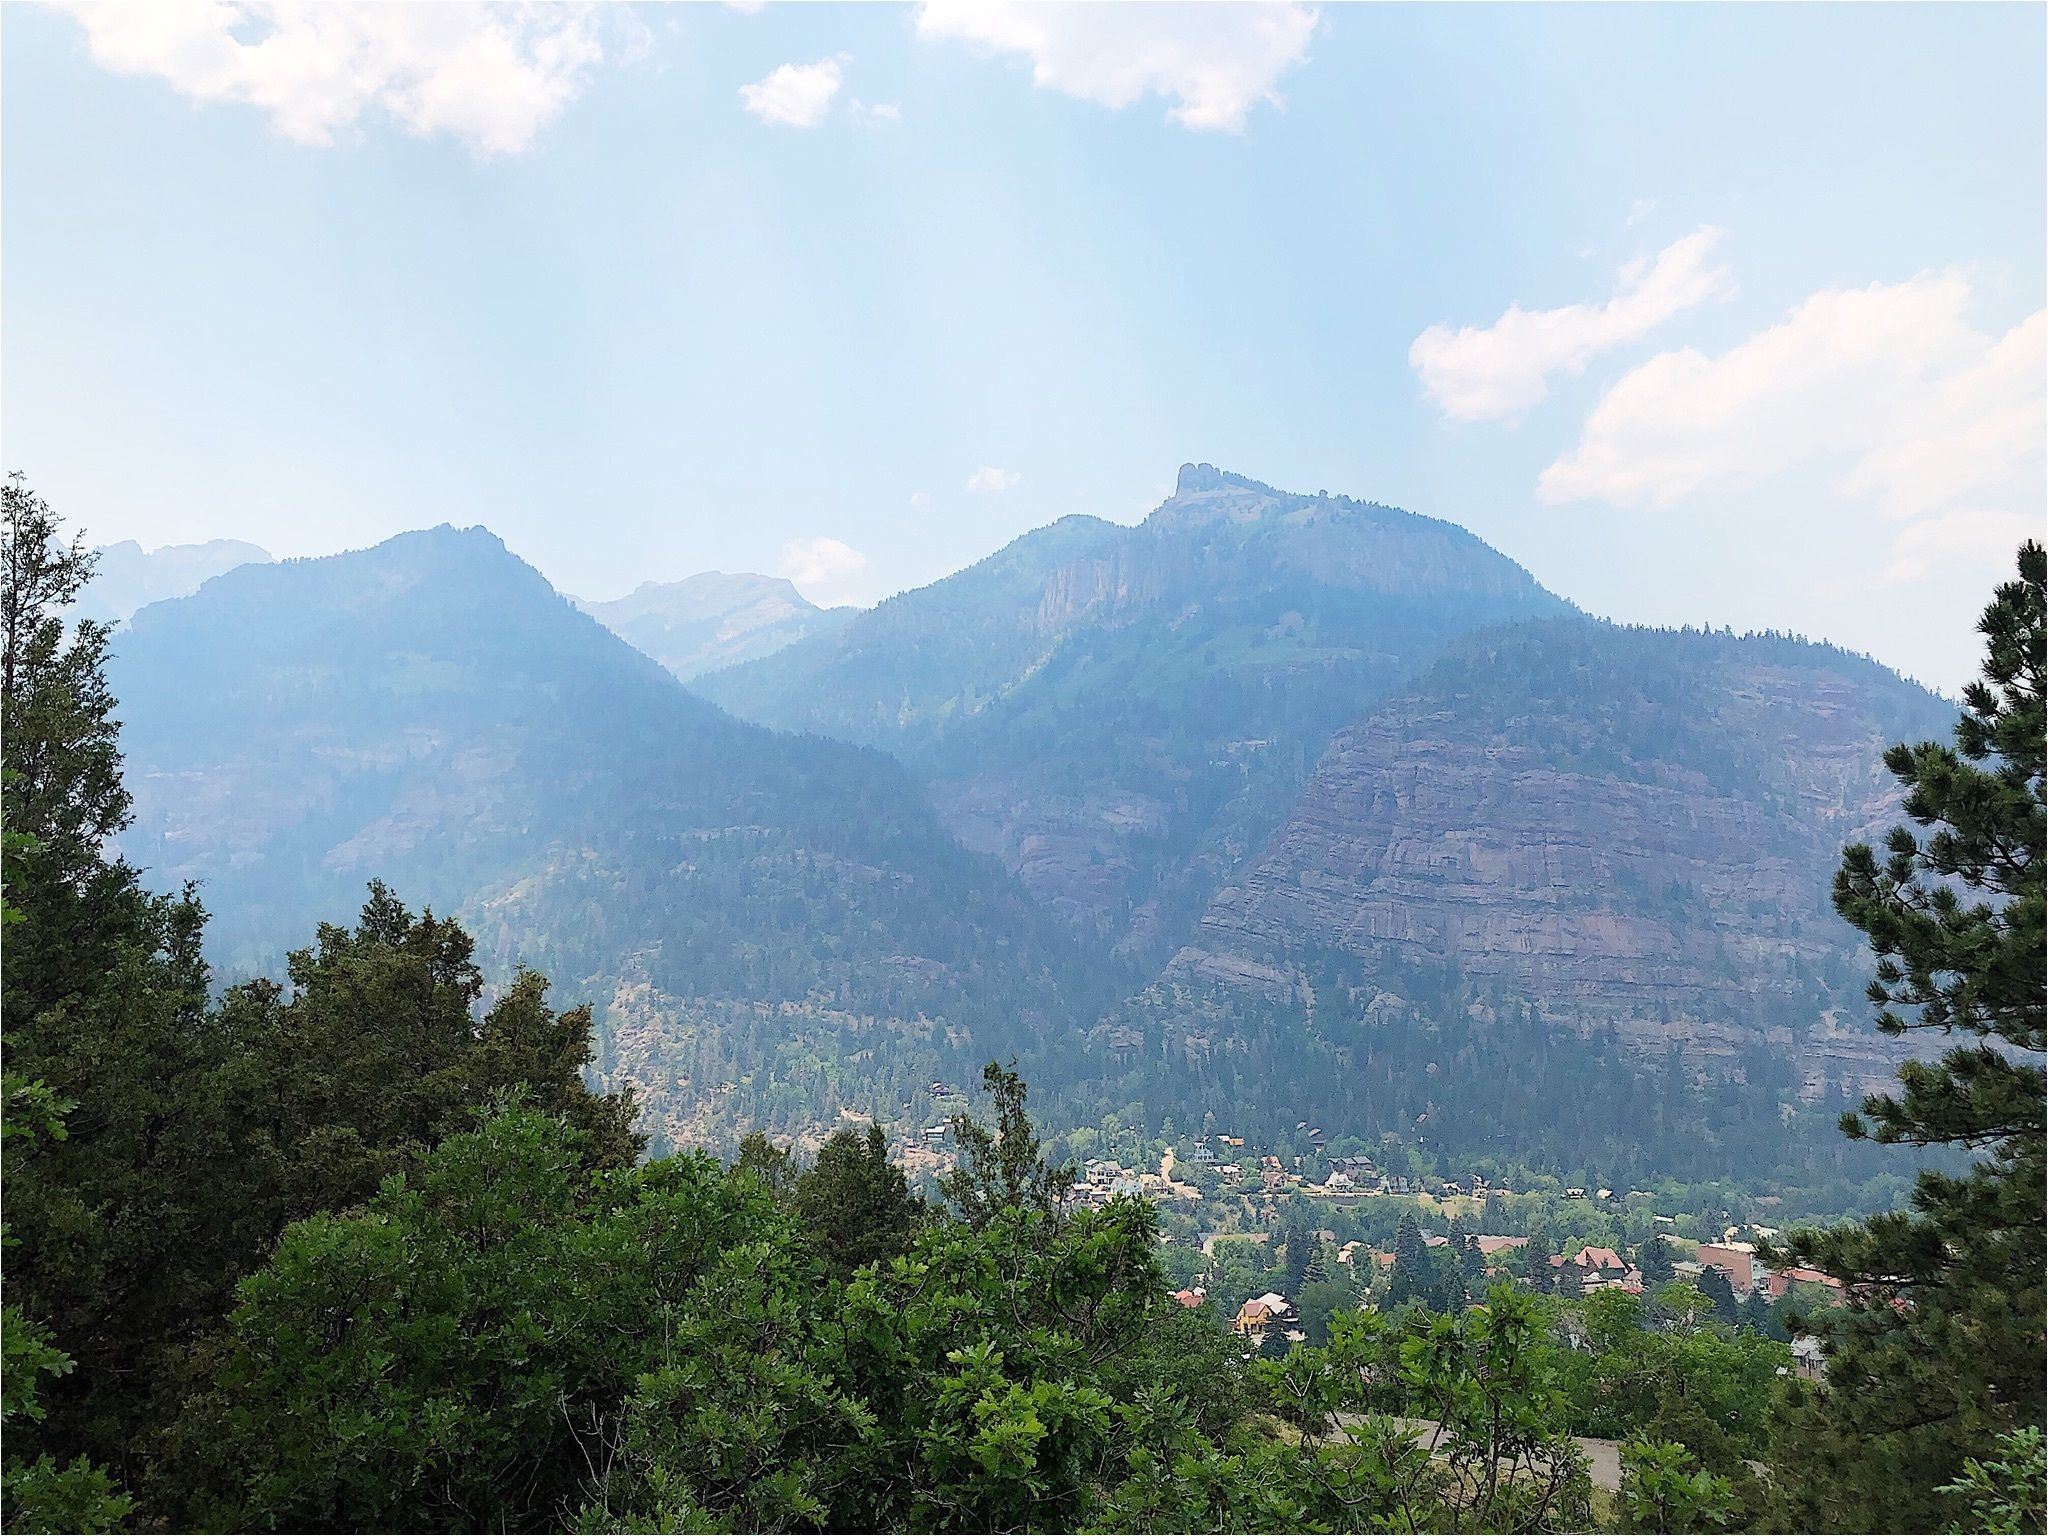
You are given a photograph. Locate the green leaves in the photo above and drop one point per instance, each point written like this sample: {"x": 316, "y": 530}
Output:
{"x": 1663, "y": 1489}
{"x": 2008, "y": 1494}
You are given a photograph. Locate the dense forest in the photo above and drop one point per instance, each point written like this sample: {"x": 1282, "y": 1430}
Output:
{"x": 362, "y": 1248}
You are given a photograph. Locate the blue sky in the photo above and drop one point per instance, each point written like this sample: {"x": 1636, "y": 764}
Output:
{"x": 1705, "y": 314}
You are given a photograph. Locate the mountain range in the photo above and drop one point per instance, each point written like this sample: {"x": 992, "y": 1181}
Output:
{"x": 1273, "y": 807}
{"x": 1122, "y": 714}
{"x": 713, "y": 620}
{"x": 430, "y": 712}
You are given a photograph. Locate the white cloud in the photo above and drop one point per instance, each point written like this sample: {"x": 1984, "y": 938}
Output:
{"x": 1888, "y": 391}
{"x": 1979, "y": 536}
{"x": 1217, "y": 61}
{"x": 490, "y": 75}
{"x": 1892, "y": 378}
{"x": 820, "y": 562}
{"x": 797, "y": 95}
{"x": 887, "y": 111}
{"x": 920, "y": 501}
{"x": 989, "y": 478}
{"x": 1502, "y": 370}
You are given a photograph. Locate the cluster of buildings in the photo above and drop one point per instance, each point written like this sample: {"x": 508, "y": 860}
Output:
{"x": 1348, "y": 1178}
{"x": 1596, "y": 1268}
{"x": 1103, "y": 1180}
{"x": 1749, "y": 1276}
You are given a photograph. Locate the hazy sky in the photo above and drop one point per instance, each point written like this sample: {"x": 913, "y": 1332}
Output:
{"x": 1725, "y": 315}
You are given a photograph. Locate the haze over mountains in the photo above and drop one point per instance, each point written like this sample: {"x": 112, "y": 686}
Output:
{"x": 1271, "y": 806}
{"x": 1121, "y": 714}
{"x": 431, "y": 712}
{"x": 128, "y": 577}
{"x": 713, "y": 620}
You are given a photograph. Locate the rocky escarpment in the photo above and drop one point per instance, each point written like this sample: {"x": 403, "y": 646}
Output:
{"x": 1121, "y": 714}
{"x": 1611, "y": 829}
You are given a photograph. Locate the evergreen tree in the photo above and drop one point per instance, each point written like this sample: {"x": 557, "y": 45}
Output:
{"x": 1940, "y": 1349}
{"x": 1413, "y": 1278}
{"x": 772, "y": 1166}
{"x": 1471, "y": 1270}
{"x": 193, "y": 1134}
{"x": 1655, "y": 1262}
{"x": 117, "y": 1225}
{"x": 1315, "y": 1271}
{"x": 1000, "y": 1169}
{"x": 1298, "y": 1244}
{"x": 855, "y": 1202}
{"x": 38, "y": 1495}
{"x": 63, "y": 789}
{"x": 1759, "y": 1318}
{"x": 1715, "y": 1286}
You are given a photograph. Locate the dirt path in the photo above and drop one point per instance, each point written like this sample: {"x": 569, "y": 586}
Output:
{"x": 1603, "y": 1457}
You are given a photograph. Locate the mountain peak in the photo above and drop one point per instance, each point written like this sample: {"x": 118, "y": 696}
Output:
{"x": 727, "y": 587}
{"x": 128, "y": 577}
{"x": 712, "y": 619}
{"x": 1201, "y": 479}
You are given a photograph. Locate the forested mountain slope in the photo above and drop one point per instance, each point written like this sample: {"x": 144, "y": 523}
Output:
{"x": 1567, "y": 852}
{"x": 902, "y": 673}
{"x": 1122, "y": 713}
{"x": 712, "y": 619}
{"x": 1401, "y": 871}
{"x": 771, "y": 925}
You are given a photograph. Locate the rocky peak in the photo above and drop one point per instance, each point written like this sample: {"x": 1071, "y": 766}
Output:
{"x": 712, "y": 619}
{"x": 1205, "y": 479}
{"x": 128, "y": 577}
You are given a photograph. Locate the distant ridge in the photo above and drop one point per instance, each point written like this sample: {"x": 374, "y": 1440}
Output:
{"x": 127, "y": 577}
{"x": 713, "y": 619}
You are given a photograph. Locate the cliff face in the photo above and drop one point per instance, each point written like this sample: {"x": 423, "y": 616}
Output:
{"x": 1121, "y": 714}
{"x": 1616, "y": 829}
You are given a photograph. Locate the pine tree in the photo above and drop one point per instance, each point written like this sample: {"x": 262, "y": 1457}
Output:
{"x": 116, "y": 1224}
{"x": 1000, "y": 1169}
{"x": 1941, "y": 1347}
{"x": 775, "y": 1167}
{"x": 63, "y": 789}
{"x": 1413, "y": 1278}
{"x": 1656, "y": 1262}
{"x": 1716, "y": 1287}
{"x": 1297, "y": 1245}
{"x": 1314, "y": 1271}
{"x": 857, "y": 1203}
